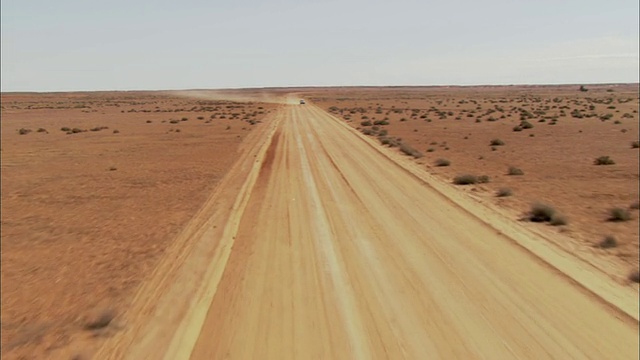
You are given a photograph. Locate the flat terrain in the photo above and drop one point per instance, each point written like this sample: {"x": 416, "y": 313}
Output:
{"x": 86, "y": 216}
{"x": 334, "y": 249}
{"x": 302, "y": 237}
{"x": 569, "y": 130}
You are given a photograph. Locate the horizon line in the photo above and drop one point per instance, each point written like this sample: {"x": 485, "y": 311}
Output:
{"x": 299, "y": 87}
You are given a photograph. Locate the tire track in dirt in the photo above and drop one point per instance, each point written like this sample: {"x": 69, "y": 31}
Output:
{"x": 342, "y": 253}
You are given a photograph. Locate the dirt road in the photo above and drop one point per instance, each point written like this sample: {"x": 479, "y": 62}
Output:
{"x": 332, "y": 251}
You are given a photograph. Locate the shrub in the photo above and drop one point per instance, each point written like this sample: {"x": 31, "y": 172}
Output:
{"x": 41, "y": 130}
{"x": 116, "y": 131}
{"x": 634, "y": 276}
{"x": 526, "y": 125}
{"x": 149, "y": 121}
{"x": 541, "y": 212}
{"x": 635, "y": 144}
{"x": 383, "y": 133}
{"x": 443, "y": 162}
{"x": 517, "y": 128}
{"x": 483, "y": 179}
{"x": 608, "y": 242}
{"x": 557, "y": 220}
{"x": 466, "y": 179}
{"x": 496, "y": 142}
{"x": 366, "y": 123}
{"x": 381, "y": 122}
{"x": 504, "y": 192}
{"x": 65, "y": 129}
{"x": 634, "y": 206}
{"x": 410, "y": 151}
{"x": 24, "y": 131}
{"x": 604, "y": 160}
{"x": 76, "y": 130}
{"x": 619, "y": 214}
{"x": 431, "y": 149}
{"x": 515, "y": 171}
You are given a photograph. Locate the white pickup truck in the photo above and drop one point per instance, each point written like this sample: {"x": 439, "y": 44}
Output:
{"x": 302, "y": 102}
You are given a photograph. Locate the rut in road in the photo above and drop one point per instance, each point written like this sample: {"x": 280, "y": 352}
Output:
{"x": 341, "y": 255}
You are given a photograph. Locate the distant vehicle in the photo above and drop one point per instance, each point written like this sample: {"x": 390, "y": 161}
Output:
{"x": 302, "y": 102}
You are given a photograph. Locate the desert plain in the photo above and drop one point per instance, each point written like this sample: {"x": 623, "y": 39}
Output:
{"x": 188, "y": 224}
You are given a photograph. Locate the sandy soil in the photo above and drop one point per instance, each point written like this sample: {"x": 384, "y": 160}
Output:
{"x": 86, "y": 216}
{"x": 300, "y": 237}
{"x": 557, "y": 158}
{"x": 332, "y": 247}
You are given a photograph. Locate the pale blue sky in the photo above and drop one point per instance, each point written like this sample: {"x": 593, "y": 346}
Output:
{"x": 126, "y": 45}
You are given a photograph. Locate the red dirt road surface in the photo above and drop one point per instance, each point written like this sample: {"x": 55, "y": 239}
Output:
{"x": 319, "y": 244}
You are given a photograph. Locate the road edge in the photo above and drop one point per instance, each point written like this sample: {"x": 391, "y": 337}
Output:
{"x": 574, "y": 269}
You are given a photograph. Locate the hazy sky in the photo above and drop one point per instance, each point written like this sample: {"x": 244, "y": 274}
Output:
{"x": 125, "y": 45}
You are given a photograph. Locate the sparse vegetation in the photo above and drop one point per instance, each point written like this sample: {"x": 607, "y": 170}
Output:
{"x": 408, "y": 150}
{"x": 635, "y": 144}
{"x": 24, "y": 131}
{"x": 604, "y": 160}
{"x": 100, "y": 319}
{"x": 496, "y": 142}
{"x": 619, "y": 214}
{"x": 634, "y": 276}
{"x": 504, "y": 192}
{"x": 541, "y": 213}
{"x": 608, "y": 242}
{"x": 466, "y": 179}
{"x": 515, "y": 171}
{"x": 443, "y": 162}
{"x": 557, "y": 220}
